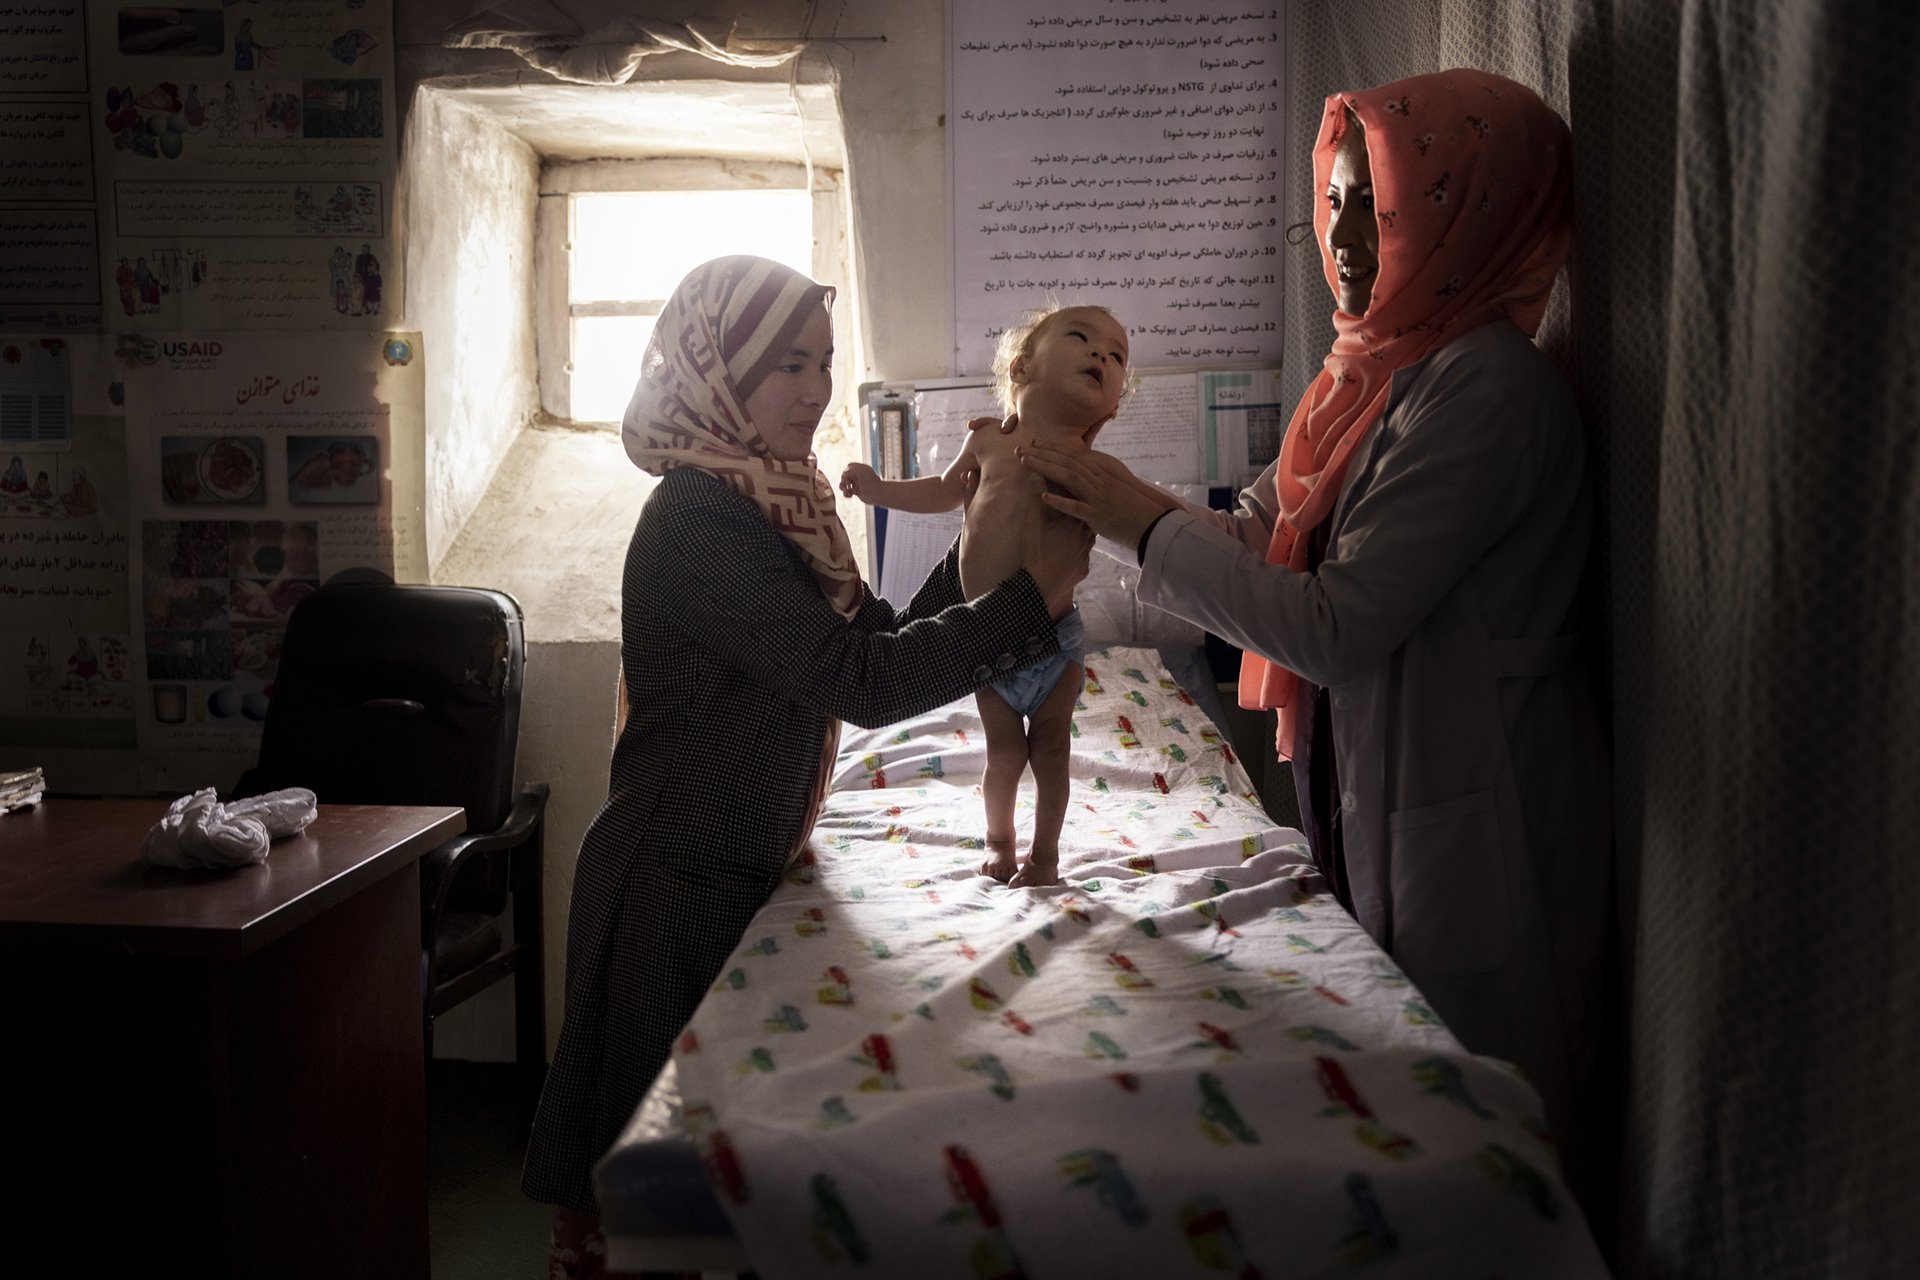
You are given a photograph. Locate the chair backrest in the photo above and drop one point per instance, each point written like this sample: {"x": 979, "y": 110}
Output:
{"x": 398, "y": 694}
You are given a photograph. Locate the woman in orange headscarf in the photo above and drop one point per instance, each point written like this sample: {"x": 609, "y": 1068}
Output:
{"x": 746, "y": 636}
{"x": 1405, "y": 578}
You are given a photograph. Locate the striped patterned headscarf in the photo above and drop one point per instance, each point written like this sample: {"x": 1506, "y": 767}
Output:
{"x": 725, "y": 328}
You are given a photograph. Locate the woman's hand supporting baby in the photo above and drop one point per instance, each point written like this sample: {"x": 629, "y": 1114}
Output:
{"x": 1101, "y": 492}
{"x": 1056, "y": 571}
{"x": 1105, "y": 495}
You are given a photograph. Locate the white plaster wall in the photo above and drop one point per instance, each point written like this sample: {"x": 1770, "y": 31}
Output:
{"x": 893, "y": 98}
{"x": 468, "y": 192}
{"x": 573, "y": 489}
{"x": 893, "y": 101}
{"x": 566, "y": 741}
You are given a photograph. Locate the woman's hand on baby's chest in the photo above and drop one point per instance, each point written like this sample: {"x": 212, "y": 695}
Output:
{"x": 1000, "y": 467}
{"x": 1009, "y": 487}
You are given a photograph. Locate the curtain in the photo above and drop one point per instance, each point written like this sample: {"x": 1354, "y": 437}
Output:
{"x": 1741, "y": 323}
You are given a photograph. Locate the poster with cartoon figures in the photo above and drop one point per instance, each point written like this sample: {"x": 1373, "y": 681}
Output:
{"x": 259, "y": 467}
{"x": 247, "y": 156}
{"x": 67, "y": 681}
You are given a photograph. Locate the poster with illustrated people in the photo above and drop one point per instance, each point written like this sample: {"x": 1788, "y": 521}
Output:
{"x": 68, "y": 684}
{"x": 247, "y": 156}
{"x": 259, "y": 466}
{"x": 353, "y": 280}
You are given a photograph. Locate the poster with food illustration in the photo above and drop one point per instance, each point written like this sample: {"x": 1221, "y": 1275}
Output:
{"x": 261, "y": 465}
{"x": 214, "y": 604}
{"x": 194, "y": 469}
{"x": 320, "y": 469}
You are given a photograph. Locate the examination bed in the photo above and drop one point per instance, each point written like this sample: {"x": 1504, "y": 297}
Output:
{"x": 1188, "y": 1060}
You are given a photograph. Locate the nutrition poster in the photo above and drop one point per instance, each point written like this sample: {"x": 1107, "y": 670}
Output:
{"x": 259, "y": 467}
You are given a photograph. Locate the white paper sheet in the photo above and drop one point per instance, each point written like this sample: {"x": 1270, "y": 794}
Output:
{"x": 941, "y": 415}
{"x": 1243, "y": 415}
{"x": 1157, "y": 432}
{"x": 914, "y": 544}
{"x": 1126, "y": 154}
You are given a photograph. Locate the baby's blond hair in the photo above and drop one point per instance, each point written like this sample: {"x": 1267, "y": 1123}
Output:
{"x": 1019, "y": 341}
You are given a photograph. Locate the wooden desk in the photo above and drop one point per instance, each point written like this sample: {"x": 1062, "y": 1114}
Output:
{"x": 216, "y": 1073}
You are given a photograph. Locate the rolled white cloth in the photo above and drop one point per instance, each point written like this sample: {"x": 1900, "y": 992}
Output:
{"x": 286, "y": 812}
{"x": 199, "y": 831}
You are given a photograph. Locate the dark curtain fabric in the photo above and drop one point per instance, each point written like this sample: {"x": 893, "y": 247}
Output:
{"x": 1741, "y": 323}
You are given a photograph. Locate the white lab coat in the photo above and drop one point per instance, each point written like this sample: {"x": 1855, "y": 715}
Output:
{"x": 1471, "y": 762}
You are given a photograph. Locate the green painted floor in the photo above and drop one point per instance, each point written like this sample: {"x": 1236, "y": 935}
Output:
{"x": 479, "y": 1225}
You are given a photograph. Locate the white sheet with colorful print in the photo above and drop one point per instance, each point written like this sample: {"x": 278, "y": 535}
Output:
{"x": 1188, "y": 1060}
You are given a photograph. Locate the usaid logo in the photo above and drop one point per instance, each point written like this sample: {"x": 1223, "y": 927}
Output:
{"x": 181, "y": 356}
{"x": 190, "y": 350}
{"x": 198, "y": 354}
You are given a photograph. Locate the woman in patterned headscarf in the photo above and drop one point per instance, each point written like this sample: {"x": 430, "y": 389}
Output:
{"x": 1405, "y": 578}
{"x": 746, "y": 636}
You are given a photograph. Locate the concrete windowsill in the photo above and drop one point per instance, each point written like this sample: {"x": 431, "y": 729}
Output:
{"x": 552, "y": 530}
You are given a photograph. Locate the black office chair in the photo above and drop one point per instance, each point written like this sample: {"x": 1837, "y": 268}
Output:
{"x": 402, "y": 694}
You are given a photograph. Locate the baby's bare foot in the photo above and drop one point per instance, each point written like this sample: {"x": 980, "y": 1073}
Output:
{"x": 1004, "y": 857}
{"x": 1037, "y": 873}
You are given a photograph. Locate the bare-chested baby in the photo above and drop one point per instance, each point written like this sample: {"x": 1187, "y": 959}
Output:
{"x": 1063, "y": 373}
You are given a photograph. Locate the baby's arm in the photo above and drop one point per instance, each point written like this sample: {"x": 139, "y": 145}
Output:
{"x": 923, "y": 494}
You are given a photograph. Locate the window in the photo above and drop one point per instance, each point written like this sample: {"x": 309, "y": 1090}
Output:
{"x": 612, "y": 237}
{"x": 624, "y": 253}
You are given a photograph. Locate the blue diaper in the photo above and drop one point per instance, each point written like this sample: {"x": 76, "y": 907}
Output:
{"x": 1024, "y": 690}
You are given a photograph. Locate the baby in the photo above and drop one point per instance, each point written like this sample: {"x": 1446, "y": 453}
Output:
{"x": 1063, "y": 374}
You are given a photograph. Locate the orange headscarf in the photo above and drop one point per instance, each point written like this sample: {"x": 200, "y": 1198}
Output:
{"x": 1473, "y": 191}
{"x": 726, "y": 326}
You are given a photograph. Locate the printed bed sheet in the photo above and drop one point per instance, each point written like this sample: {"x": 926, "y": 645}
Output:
{"x": 1186, "y": 1061}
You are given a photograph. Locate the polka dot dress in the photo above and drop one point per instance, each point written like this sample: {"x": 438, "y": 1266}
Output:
{"x": 735, "y": 663}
